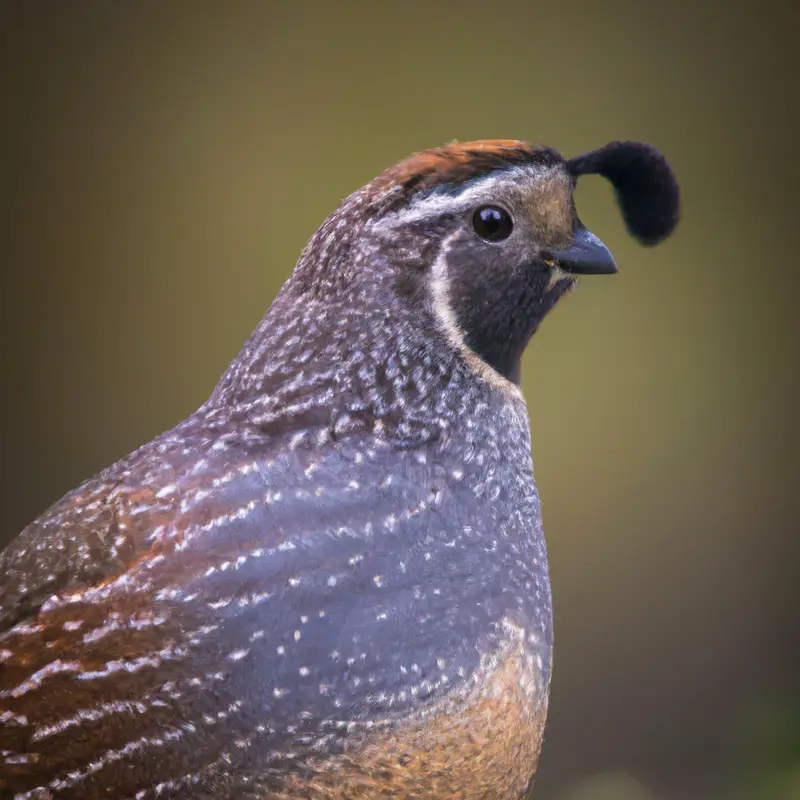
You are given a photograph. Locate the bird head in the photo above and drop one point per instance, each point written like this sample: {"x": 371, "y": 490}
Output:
{"x": 485, "y": 238}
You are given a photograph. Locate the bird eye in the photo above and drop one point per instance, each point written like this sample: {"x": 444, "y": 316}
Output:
{"x": 492, "y": 223}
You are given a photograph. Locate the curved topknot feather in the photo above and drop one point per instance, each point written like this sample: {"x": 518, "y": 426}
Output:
{"x": 645, "y": 185}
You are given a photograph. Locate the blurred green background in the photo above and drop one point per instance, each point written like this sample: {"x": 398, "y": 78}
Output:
{"x": 163, "y": 163}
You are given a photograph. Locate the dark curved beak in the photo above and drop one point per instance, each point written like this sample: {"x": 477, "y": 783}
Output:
{"x": 587, "y": 256}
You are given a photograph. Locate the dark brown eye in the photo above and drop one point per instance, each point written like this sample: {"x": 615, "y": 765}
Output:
{"x": 492, "y": 223}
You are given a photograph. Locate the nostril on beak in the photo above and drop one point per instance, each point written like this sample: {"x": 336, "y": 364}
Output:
{"x": 587, "y": 256}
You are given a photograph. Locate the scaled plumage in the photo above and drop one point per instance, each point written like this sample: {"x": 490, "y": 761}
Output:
{"x": 331, "y": 579}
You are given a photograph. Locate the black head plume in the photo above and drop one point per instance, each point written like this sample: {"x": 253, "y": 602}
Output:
{"x": 646, "y": 188}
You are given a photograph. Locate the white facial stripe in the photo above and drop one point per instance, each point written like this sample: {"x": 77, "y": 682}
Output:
{"x": 440, "y": 300}
{"x": 486, "y": 191}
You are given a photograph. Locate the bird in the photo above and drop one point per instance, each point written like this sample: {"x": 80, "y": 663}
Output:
{"x": 331, "y": 579}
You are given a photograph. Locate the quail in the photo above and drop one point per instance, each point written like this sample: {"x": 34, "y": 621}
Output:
{"x": 330, "y": 581}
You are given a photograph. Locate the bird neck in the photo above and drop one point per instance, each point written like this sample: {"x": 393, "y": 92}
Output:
{"x": 339, "y": 359}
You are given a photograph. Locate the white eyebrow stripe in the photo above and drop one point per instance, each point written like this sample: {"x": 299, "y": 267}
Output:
{"x": 484, "y": 190}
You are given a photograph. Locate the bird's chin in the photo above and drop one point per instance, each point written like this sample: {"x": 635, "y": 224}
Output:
{"x": 559, "y": 285}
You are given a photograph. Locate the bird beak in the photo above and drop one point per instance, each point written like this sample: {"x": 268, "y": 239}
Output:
{"x": 587, "y": 256}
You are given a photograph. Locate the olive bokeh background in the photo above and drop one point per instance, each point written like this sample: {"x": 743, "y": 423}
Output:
{"x": 162, "y": 165}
